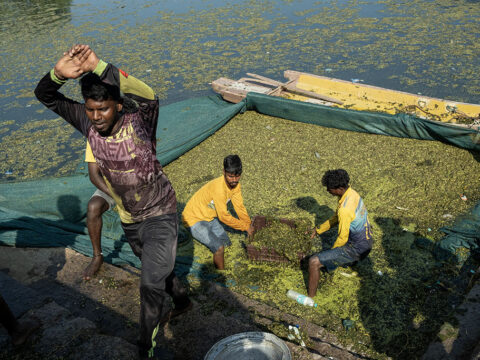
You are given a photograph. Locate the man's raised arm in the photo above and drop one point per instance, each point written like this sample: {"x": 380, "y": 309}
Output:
{"x": 79, "y": 60}
{"x": 71, "y": 65}
{"x": 130, "y": 86}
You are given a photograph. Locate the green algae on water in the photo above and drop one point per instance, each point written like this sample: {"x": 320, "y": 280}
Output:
{"x": 40, "y": 148}
{"x": 178, "y": 53}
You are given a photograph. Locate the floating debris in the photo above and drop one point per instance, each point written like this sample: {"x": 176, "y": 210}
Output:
{"x": 348, "y": 324}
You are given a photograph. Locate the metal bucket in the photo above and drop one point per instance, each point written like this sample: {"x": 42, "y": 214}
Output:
{"x": 251, "y": 346}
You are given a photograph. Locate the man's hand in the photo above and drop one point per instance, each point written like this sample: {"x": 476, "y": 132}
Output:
{"x": 77, "y": 61}
{"x": 250, "y": 230}
{"x": 313, "y": 233}
{"x": 96, "y": 178}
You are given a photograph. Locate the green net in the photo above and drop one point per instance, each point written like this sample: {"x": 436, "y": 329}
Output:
{"x": 51, "y": 212}
{"x": 400, "y": 125}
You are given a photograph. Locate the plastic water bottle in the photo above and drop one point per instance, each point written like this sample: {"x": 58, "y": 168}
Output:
{"x": 300, "y": 298}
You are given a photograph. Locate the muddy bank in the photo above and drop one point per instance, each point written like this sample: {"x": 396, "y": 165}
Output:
{"x": 109, "y": 305}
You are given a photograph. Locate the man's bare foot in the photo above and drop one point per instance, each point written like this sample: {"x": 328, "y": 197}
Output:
{"x": 23, "y": 331}
{"x": 93, "y": 267}
{"x": 176, "y": 311}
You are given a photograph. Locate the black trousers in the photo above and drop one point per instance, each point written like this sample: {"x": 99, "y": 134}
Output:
{"x": 7, "y": 319}
{"x": 154, "y": 241}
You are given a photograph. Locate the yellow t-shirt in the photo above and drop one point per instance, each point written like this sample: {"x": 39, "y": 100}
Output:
{"x": 211, "y": 201}
{"x": 88, "y": 154}
{"x": 352, "y": 219}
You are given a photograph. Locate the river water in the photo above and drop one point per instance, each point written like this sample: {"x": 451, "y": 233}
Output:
{"x": 179, "y": 47}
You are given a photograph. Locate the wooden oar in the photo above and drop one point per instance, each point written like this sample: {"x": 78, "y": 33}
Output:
{"x": 266, "y": 80}
{"x": 258, "y": 81}
{"x": 293, "y": 89}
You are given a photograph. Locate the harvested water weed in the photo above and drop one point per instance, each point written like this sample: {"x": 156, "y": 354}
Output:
{"x": 279, "y": 240}
{"x": 407, "y": 185}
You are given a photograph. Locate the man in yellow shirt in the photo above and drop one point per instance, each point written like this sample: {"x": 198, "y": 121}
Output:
{"x": 208, "y": 207}
{"x": 354, "y": 240}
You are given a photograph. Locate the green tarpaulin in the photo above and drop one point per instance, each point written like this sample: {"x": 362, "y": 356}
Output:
{"x": 401, "y": 125}
{"x": 51, "y": 212}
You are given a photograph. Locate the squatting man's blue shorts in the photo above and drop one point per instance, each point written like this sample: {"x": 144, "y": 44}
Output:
{"x": 211, "y": 234}
{"x": 340, "y": 256}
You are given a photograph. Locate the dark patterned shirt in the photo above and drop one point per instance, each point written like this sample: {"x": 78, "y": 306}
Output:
{"x": 127, "y": 159}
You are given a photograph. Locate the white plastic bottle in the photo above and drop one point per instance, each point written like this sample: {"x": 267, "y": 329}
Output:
{"x": 300, "y": 298}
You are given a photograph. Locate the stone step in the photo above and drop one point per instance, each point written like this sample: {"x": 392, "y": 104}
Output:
{"x": 20, "y": 298}
{"x": 322, "y": 343}
{"x": 61, "y": 334}
{"x": 54, "y": 275}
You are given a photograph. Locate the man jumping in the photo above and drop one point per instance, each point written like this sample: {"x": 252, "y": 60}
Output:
{"x": 124, "y": 146}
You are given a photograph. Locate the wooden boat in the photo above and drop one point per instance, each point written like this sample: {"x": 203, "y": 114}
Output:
{"x": 351, "y": 95}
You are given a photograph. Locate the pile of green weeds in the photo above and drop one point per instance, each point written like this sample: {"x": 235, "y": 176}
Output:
{"x": 399, "y": 296}
{"x": 289, "y": 240}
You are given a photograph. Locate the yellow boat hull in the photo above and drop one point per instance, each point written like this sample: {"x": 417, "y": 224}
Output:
{"x": 371, "y": 98}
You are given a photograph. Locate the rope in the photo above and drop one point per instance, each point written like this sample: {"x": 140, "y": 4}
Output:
{"x": 412, "y": 110}
{"x": 458, "y": 116}
{"x": 463, "y": 118}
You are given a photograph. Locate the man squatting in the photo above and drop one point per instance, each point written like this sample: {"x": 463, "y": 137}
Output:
{"x": 354, "y": 240}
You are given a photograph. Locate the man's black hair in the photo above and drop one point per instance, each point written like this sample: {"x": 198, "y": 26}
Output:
{"x": 334, "y": 179}
{"x": 94, "y": 88}
{"x": 232, "y": 164}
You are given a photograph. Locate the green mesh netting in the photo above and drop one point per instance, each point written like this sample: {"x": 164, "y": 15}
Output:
{"x": 51, "y": 212}
{"x": 401, "y": 125}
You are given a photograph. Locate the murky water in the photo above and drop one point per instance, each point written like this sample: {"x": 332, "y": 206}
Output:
{"x": 179, "y": 47}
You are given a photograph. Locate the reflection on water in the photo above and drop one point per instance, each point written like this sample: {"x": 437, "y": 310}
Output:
{"x": 180, "y": 47}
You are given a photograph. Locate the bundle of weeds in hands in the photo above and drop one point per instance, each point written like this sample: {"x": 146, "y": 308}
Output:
{"x": 289, "y": 239}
